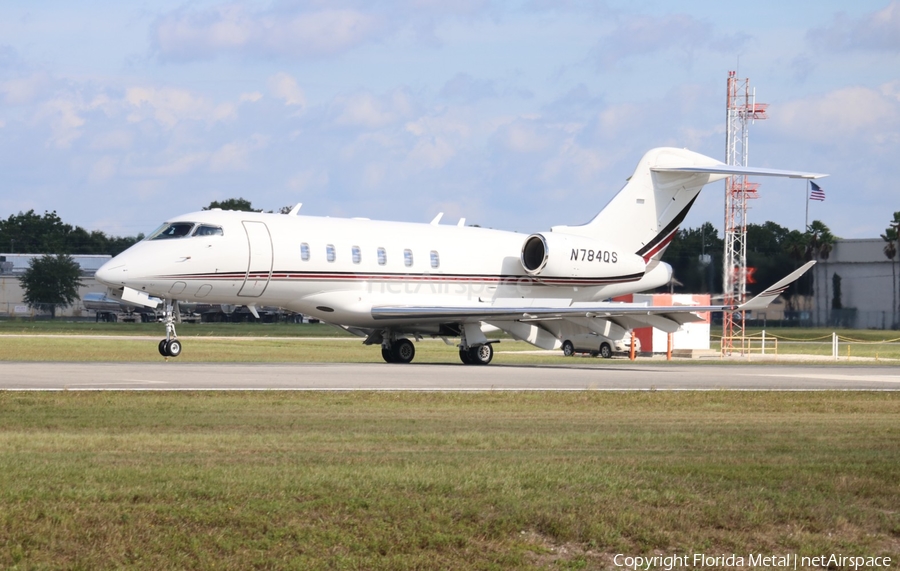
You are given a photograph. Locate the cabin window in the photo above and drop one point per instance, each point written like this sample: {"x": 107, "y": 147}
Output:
{"x": 329, "y": 252}
{"x": 382, "y": 257}
{"x": 357, "y": 255}
{"x": 408, "y": 258}
{"x": 435, "y": 259}
{"x": 207, "y": 230}
{"x": 172, "y": 230}
{"x": 304, "y": 252}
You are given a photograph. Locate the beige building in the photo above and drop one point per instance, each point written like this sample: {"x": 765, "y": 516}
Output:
{"x": 12, "y": 303}
{"x": 868, "y": 281}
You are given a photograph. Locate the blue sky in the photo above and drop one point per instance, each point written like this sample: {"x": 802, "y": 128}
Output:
{"x": 515, "y": 115}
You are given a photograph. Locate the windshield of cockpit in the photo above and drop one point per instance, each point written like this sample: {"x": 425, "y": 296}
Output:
{"x": 171, "y": 230}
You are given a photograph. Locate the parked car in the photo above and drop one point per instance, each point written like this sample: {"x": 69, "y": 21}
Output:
{"x": 596, "y": 344}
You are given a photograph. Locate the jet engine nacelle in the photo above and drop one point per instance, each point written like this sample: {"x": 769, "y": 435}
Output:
{"x": 556, "y": 255}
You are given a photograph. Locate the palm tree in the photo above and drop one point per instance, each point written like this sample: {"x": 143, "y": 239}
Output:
{"x": 890, "y": 250}
{"x": 819, "y": 246}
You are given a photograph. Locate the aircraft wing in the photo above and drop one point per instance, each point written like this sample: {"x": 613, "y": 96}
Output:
{"x": 667, "y": 318}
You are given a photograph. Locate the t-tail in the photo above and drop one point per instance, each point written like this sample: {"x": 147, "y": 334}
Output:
{"x": 645, "y": 215}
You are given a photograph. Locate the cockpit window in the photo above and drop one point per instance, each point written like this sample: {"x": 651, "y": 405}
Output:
{"x": 172, "y": 230}
{"x": 207, "y": 230}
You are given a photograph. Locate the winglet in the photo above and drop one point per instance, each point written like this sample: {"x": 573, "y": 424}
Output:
{"x": 769, "y": 294}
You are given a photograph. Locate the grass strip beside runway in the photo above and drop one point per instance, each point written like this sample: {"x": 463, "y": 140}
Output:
{"x": 441, "y": 481}
{"x": 241, "y": 350}
{"x": 24, "y": 340}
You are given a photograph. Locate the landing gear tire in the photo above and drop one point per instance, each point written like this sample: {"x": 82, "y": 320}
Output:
{"x": 387, "y": 355}
{"x": 403, "y": 351}
{"x": 173, "y": 348}
{"x": 162, "y": 348}
{"x": 464, "y": 356}
{"x": 481, "y": 354}
{"x": 605, "y": 351}
{"x": 568, "y": 349}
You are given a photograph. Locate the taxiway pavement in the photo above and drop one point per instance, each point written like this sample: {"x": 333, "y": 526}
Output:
{"x": 175, "y": 375}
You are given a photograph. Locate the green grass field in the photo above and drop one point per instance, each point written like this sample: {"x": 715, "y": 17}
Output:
{"x": 422, "y": 481}
{"x": 282, "y": 342}
{"x": 252, "y": 329}
{"x": 441, "y": 481}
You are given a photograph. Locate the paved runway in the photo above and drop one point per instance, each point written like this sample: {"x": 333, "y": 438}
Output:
{"x": 424, "y": 377}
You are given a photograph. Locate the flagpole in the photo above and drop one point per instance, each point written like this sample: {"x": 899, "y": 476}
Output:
{"x": 806, "y": 221}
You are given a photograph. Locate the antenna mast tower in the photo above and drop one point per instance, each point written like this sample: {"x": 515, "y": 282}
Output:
{"x": 741, "y": 110}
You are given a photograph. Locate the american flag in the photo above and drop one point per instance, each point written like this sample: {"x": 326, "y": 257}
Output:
{"x": 816, "y": 192}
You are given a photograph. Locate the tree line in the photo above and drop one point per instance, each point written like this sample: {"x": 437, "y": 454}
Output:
{"x": 773, "y": 251}
{"x": 31, "y": 233}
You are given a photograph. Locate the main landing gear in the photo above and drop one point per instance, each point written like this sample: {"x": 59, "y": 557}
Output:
{"x": 399, "y": 351}
{"x": 170, "y": 346}
{"x": 477, "y": 355}
{"x": 402, "y": 350}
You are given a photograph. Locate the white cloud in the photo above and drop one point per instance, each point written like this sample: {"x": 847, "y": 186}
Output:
{"x": 431, "y": 152}
{"x": 616, "y": 120}
{"x": 285, "y": 87}
{"x": 281, "y": 31}
{"x": 877, "y": 31}
{"x": 169, "y": 106}
{"x": 235, "y": 156}
{"x": 368, "y": 111}
{"x": 24, "y": 90}
{"x": 573, "y": 160}
{"x": 642, "y": 34}
{"x": 308, "y": 180}
{"x": 444, "y": 125}
{"x": 250, "y": 97}
{"x": 172, "y": 165}
{"x": 523, "y": 137}
{"x": 103, "y": 169}
{"x": 464, "y": 88}
{"x": 65, "y": 122}
{"x": 374, "y": 175}
{"x": 847, "y": 116}
{"x": 118, "y": 139}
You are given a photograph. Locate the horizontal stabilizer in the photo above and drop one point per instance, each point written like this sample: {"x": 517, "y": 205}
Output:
{"x": 724, "y": 169}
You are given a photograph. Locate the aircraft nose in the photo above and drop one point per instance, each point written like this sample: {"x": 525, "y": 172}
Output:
{"x": 112, "y": 273}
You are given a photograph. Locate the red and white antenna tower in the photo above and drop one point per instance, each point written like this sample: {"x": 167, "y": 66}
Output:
{"x": 741, "y": 110}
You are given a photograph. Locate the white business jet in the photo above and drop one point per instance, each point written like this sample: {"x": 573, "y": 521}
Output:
{"x": 389, "y": 281}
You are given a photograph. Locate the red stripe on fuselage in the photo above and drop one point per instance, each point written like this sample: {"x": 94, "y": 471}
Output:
{"x": 310, "y": 276}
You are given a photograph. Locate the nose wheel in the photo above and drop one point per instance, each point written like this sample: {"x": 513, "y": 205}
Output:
{"x": 170, "y": 346}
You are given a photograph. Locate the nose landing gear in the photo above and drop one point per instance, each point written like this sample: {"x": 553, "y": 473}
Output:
{"x": 170, "y": 346}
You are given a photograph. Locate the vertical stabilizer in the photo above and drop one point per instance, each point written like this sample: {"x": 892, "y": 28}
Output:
{"x": 644, "y": 216}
